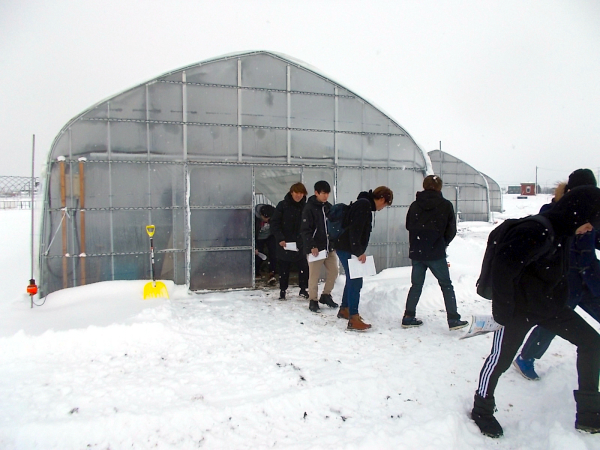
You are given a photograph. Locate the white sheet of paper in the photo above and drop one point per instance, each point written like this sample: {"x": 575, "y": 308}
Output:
{"x": 360, "y": 270}
{"x": 322, "y": 255}
{"x": 262, "y": 256}
{"x": 291, "y": 246}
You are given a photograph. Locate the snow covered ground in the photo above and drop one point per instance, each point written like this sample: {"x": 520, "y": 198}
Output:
{"x": 97, "y": 367}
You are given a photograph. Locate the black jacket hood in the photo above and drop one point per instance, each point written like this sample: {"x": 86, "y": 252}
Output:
{"x": 429, "y": 199}
{"x": 368, "y": 196}
{"x": 578, "y": 206}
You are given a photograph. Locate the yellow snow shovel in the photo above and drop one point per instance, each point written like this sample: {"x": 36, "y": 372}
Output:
{"x": 154, "y": 289}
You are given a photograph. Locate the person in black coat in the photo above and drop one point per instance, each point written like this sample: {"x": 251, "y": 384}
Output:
{"x": 354, "y": 241}
{"x": 583, "y": 279}
{"x": 431, "y": 226}
{"x": 529, "y": 287}
{"x": 315, "y": 240}
{"x": 285, "y": 226}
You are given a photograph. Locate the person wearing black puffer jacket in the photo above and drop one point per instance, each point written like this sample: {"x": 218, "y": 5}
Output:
{"x": 316, "y": 240}
{"x": 431, "y": 227}
{"x": 354, "y": 241}
{"x": 285, "y": 226}
{"x": 529, "y": 287}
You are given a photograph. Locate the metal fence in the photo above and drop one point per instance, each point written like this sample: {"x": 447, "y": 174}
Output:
{"x": 15, "y": 192}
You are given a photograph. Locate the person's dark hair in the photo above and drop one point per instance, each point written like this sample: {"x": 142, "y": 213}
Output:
{"x": 581, "y": 177}
{"x": 432, "y": 183}
{"x": 298, "y": 187}
{"x": 385, "y": 193}
{"x": 322, "y": 186}
{"x": 267, "y": 211}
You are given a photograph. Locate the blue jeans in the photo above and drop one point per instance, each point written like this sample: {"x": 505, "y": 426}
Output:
{"x": 439, "y": 269}
{"x": 351, "y": 295}
{"x": 540, "y": 338}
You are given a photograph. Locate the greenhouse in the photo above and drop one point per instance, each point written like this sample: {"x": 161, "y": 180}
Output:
{"x": 474, "y": 195}
{"x": 193, "y": 151}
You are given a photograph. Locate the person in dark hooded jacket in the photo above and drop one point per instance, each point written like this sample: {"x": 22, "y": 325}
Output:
{"x": 529, "y": 287}
{"x": 285, "y": 226}
{"x": 354, "y": 241}
{"x": 431, "y": 227}
{"x": 583, "y": 279}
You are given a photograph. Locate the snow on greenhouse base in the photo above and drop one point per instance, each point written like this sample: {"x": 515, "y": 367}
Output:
{"x": 98, "y": 367}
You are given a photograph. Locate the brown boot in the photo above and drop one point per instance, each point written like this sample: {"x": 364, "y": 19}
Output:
{"x": 344, "y": 313}
{"x": 356, "y": 324}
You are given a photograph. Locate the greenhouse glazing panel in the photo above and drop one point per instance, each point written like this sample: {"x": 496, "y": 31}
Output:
{"x": 312, "y": 146}
{"x": 129, "y": 138}
{"x": 167, "y": 187}
{"x": 211, "y": 104}
{"x": 89, "y": 138}
{"x": 96, "y": 185}
{"x": 304, "y": 81}
{"x": 129, "y": 231}
{"x": 165, "y": 102}
{"x": 97, "y": 112}
{"x": 129, "y": 185}
{"x": 208, "y": 269}
{"x": 374, "y": 121}
{"x": 221, "y": 228}
{"x": 99, "y": 268}
{"x": 405, "y": 184}
{"x": 220, "y": 186}
{"x": 264, "y": 108}
{"x": 312, "y": 112}
{"x": 349, "y": 148}
{"x": 264, "y": 145}
{"x": 166, "y": 139}
{"x": 212, "y": 143}
{"x": 375, "y": 149}
{"x": 133, "y": 267}
{"x": 262, "y": 71}
{"x": 218, "y": 72}
{"x": 129, "y": 105}
{"x": 350, "y": 114}
{"x": 404, "y": 152}
{"x": 96, "y": 232}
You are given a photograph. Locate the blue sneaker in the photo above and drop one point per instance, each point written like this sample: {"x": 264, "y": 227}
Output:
{"x": 525, "y": 368}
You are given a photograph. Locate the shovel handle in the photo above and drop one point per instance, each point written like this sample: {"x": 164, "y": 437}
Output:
{"x": 150, "y": 230}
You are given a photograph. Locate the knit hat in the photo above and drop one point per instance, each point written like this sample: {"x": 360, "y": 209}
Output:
{"x": 581, "y": 177}
{"x": 267, "y": 211}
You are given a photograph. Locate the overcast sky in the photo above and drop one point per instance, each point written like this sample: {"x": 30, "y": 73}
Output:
{"x": 504, "y": 85}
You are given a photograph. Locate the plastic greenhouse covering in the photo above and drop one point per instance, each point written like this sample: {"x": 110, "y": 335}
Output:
{"x": 473, "y": 194}
{"x": 193, "y": 151}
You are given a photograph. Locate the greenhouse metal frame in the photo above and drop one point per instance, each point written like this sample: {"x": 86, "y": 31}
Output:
{"x": 474, "y": 195}
{"x": 192, "y": 150}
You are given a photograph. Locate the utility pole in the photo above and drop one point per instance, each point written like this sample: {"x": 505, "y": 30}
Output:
{"x": 536, "y": 183}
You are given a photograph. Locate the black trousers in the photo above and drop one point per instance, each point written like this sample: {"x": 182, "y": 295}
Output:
{"x": 284, "y": 273}
{"x": 566, "y": 324}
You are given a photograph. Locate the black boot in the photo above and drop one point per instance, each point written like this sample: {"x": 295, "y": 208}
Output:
{"x": 327, "y": 300}
{"x": 483, "y": 415}
{"x": 588, "y": 411}
{"x": 313, "y": 305}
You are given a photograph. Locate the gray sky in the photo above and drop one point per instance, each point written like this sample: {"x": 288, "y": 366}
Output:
{"x": 504, "y": 85}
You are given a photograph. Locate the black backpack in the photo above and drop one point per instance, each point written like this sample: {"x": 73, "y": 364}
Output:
{"x": 484, "y": 283}
{"x": 336, "y": 220}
